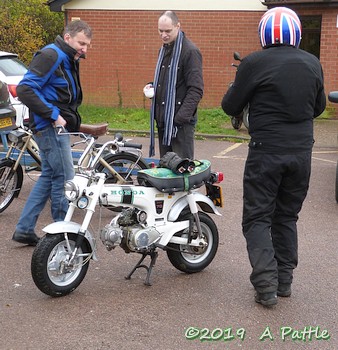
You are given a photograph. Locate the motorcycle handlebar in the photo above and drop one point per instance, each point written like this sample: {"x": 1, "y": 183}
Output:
{"x": 132, "y": 145}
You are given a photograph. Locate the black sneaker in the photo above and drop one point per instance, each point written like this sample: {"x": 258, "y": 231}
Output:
{"x": 284, "y": 290}
{"x": 266, "y": 299}
{"x": 26, "y": 238}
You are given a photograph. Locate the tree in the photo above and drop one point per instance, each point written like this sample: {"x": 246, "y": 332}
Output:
{"x": 27, "y": 25}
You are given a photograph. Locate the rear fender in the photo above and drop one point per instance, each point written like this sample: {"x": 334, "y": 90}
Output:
{"x": 204, "y": 202}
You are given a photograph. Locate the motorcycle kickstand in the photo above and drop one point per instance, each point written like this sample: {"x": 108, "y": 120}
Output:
{"x": 153, "y": 256}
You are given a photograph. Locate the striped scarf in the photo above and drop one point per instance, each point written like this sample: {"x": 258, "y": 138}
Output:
{"x": 170, "y": 129}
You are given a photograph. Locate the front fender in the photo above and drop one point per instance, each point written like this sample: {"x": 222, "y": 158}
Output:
{"x": 204, "y": 202}
{"x": 70, "y": 227}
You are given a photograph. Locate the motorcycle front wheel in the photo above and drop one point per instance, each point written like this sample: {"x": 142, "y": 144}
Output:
{"x": 10, "y": 182}
{"x": 336, "y": 187}
{"x": 125, "y": 164}
{"x": 246, "y": 116}
{"x": 191, "y": 259}
{"x": 52, "y": 271}
{"x": 236, "y": 122}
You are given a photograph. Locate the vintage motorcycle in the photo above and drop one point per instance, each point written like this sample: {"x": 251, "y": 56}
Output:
{"x": 121, "y": 162}
{"x": 161, "y": 212}
{"x": 243, "y": 118}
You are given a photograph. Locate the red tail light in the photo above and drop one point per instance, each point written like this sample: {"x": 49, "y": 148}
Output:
{"x": 12, "y": 90}
{"x": 219, "y": 177}
{"x": 216, "y": 177}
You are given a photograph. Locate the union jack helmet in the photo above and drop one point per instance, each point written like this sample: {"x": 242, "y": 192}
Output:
{"x": 280, "y": 26}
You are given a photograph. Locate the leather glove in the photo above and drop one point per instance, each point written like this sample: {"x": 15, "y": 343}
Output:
{"x": 176, "y": 164}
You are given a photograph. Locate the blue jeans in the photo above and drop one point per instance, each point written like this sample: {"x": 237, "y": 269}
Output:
{"x": 56, "y": 168}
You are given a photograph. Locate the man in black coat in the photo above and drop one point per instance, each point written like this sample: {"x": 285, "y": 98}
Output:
{"x": 178, "y": 88}
{"x": 284, "y": 88}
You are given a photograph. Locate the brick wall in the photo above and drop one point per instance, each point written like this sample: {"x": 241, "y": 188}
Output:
{"x": 126, "y": 43}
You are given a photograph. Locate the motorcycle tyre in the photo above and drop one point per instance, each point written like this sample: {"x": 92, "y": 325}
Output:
{"x": 246, "y": 116}
{"x": 336, "y": 187}
{"x": 114, "y": 158}
{"x": 185, "y": 262}
{"x": 6, "y": 165}
{"x": 41, "y": 257}
{"x": 236, "y": 122}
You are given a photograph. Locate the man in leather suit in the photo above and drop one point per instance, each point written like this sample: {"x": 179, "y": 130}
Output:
{"x": 284, "y": 87}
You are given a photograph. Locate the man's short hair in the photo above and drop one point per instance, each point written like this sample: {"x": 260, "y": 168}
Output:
{"x": 78, "y": 26}
{"x": 172, "y": 15}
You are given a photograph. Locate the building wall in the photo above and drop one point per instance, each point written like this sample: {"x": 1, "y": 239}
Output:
{"x": 126, "y": 43}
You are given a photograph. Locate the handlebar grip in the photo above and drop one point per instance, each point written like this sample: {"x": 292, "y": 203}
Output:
{"x": 132, "y": 145}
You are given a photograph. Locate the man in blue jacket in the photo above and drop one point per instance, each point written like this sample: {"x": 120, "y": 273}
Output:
{"x": 51, "y": 90}
{"x": 285, "y": 90}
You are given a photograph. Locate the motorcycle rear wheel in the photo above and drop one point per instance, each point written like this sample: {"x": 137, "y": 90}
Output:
{"x": 126, "y": 164}
{"x": 190, "y": 259}
{"x": 10, "y": 183}
{"x": 49, "y": 264}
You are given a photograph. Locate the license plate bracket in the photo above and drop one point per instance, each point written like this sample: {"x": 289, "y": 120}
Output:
{"x": 214, "y": 192}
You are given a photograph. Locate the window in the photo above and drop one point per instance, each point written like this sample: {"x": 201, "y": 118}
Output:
{"x": 311, "y": 29}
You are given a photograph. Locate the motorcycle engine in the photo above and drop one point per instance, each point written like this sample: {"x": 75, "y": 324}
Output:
{"x": 129, "y": 232}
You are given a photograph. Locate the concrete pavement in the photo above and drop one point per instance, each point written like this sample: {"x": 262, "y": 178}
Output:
{"x": 214, "y": 309}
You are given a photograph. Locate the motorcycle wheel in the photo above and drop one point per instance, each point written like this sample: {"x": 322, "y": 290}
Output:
{"x": 48, "y": 266}
{"x": 246, "y": 116}
{"x": 10, "y": 182}
{"x": 126, "y": 164}
{"x": 236, "y": 122}
{"x": 191, "y": 259}
{"x": 336, "y": 188}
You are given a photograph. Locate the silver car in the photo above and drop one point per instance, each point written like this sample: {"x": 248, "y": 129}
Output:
{"x": 12, "y": 71}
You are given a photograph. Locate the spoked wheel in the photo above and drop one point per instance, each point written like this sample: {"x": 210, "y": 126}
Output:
{"x": 336, "y": 188}
{"x": 53, "y": 272}
{"x": 246, "y": 116}
{"x": 236, "y": 122}
{"x": 191, "y": 259}
{"x": 125, "y": 164}
{"x": 10, "y": 182}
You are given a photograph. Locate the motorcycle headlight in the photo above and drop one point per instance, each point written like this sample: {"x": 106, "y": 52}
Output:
{"x": 82, "y": 203}
{"x": 71, "y": 190}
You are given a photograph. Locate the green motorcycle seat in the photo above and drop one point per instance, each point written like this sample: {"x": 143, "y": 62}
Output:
{"x": 167, "y": 181}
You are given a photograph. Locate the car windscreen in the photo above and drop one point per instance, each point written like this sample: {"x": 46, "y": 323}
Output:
{"x": 12, "y": 66}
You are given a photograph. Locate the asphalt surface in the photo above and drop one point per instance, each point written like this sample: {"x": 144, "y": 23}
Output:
{"x": 108, "y": 312}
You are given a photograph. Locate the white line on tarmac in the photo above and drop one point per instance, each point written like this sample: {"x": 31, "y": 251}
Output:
{"x": 325, "y": 160}
{"x": 229, "y": 149}
{"x": 324, "y": 152}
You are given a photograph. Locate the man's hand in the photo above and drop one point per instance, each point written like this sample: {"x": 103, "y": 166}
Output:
{"x": 60, "y": 122}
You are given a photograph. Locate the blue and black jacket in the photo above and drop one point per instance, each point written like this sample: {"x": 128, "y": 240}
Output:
{"x": 51, "y": 87}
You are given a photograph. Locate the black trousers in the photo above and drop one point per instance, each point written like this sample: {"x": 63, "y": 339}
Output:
{"x": 182, "y": 144}
{"x": 275, "y": 186}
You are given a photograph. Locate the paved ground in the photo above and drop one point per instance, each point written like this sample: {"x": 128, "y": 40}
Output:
{"x": 109, "y": 312}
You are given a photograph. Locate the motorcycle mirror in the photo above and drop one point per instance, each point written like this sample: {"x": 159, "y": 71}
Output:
{"x": 333, "y": 96}
{"x": 118, "y": 136}
{"x": 237, "y": 56}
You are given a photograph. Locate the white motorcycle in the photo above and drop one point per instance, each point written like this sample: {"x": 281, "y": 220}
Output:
{"x": 165, "y": 211}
